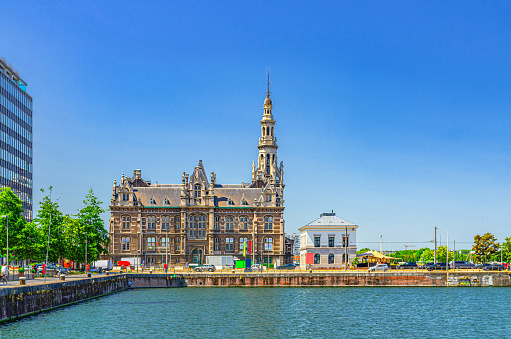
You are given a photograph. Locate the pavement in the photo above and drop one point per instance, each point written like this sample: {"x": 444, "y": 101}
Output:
{"x": 49, "y": 280}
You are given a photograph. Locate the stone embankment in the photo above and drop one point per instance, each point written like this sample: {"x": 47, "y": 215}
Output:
{"x": 21, "y": 301}
{"x": 410, "y": 278}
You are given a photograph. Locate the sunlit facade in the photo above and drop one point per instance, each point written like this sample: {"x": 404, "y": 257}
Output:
{"x": 16, "y": 136}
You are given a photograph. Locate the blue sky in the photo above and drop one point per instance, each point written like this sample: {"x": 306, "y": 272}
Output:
{"x": 394, "y": 115}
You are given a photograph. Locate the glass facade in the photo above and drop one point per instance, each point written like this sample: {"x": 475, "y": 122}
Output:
{"x": 16, "y": 136}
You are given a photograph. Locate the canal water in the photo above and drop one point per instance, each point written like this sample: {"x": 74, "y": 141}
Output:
{"x": 292, "y": 312}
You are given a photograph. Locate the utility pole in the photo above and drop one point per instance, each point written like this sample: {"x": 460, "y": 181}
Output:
{"x": 435, "y": 243}
{"x": 381, "y": 246}
{"x": 167, "y": 250}
{"x": 7, "y": 257}
{"x": 48, "y": 247}
{"x": 454, "y": 254}
{"x": 447, "y": 261}
{"x": 346, "y": 250}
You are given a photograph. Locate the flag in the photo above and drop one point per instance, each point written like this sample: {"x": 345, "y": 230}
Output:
{"x": 250, "y": 247}
{"x": 244, "y": 248}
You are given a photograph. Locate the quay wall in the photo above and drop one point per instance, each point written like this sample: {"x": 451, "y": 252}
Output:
{"x": 26, "y": 300}
{"x": 322, "y": 279}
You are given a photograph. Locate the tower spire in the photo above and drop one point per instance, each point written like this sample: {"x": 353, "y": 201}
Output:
{"x": 268, "y": 83}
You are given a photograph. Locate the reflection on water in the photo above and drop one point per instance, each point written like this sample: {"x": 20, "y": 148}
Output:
{"x": 289, "y": 312}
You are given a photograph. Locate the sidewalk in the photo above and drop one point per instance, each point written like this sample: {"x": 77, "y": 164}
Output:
{"x": 49, "y": 280}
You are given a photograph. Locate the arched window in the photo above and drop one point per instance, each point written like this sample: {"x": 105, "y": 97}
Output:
{"x": 216, "y": 244}
{"x": 229, "y": 223}
{"x": 125, "y": 222}
{"x": 330, "y": 258}
{"x": 268, "y": 222}
{"x": 268, "y": 131}
{"x": 344, "y": 258}
{"x": 229, "y": 244}
{"x": 202, "y": 226}
{"x": 273, "y": 159}
{"x": 242, "y": 241}
{"x": 244, "y": 223}
{"x": 317, "y": 258}
{"x": 271, "y": 131}
{"x": 151, "y": 222}
{"x": 193, "y": 225}
{"x": 264, "y": 131}
{"x": 268, "y": 244}
{"x": 126, "y": 243}
{"x": 165, "y": 222}
{"x": 197, "y": 191}
{"x": 151, "y": 243}
{"x": 177, "y": 222}
{"x": 164, "y": 242}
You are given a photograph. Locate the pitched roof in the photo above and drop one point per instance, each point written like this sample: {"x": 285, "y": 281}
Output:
{"x": 328, "y": 220}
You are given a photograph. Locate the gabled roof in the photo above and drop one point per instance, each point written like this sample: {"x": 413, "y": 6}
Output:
{"x": 329, "y": 220}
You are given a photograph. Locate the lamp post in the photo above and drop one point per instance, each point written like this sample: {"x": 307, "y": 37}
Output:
{"x": 167, "y": 250}
{"x": 47, "y": 247}
{"x": 7, "y": 258}
{"x": 86, "y": 270}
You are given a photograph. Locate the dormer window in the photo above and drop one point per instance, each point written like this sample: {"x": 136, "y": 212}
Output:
{"x": 244, "y": 202}
{"x": 197, "y": 191}
{"x": 152, "y": 202}
{"x": 230, "y": 202}
{"x": 125, "y": 197}
{"x": 166, "y": 202}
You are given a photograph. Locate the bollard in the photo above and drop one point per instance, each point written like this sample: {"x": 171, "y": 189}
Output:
{"x": 62, "y": 277}
{"x": 88, "y": 275}
{"x": 22, "y": 280}
{"x": 107, "y": 273}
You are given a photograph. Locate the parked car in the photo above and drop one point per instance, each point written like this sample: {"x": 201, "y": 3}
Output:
{"x": 438, "y": 266}
{"x": 494, "y": 267}
{"x": 463, "y": 265}
{"x": 482, "y": 266}
{"x": 407, "y": 266}
{"x": 286, "y": 267}
{"x": 50, "y": 269}
{"x": 205, "y": 268}
{"x": 426, "y": 265}
{"x": 379, "y": 267}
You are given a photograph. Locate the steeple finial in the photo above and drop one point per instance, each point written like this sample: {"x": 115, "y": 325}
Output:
{"x": 268, "y": 83}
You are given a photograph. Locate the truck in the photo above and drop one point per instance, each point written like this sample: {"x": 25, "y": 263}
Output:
{"x": 220, "y": 261}
{"x": 105, "y": 265}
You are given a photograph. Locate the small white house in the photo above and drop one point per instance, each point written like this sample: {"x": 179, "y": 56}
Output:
{"x": 325, "y": 241}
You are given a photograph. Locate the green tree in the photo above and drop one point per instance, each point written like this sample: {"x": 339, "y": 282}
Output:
{"x": 485, "y": 246}
{"x": 11, "y": 206}
{"x": 364, "y": 250}
{"x": 92, "y": 223}
{"x": 50, "y": 219}
{"x": 74, "y": 238}
{"x": 427, "y": 255}
{"x": 441, "y": 253}
{"x": 506, "y": 248}
{"x": 32, "y": 245}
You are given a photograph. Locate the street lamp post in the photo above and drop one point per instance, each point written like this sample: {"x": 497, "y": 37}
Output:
{"x": 86, "y": 270}
{"x": 7, "y": 258}
{"x": 47, "y": 247}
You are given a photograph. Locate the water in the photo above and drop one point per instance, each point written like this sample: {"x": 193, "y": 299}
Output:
{"x": 293, "y": 312}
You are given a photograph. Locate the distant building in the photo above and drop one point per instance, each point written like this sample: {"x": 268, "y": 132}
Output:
{"x": 296, "y": 243}
{"x": 204, "y": 218}
{"x": 325, "y": 242}
{"x": 16, "y": 136}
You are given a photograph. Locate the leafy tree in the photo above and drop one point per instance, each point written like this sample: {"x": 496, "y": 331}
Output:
{"x": 49, "y": 211}
{"x": 32, "y": 245}
{"x": 364, "y": 250}
{"x": 484, "y": 246}
{"x": 441, "y": 254}
{"x": 74, "y": 238}
{"x": 10, "y": 205}
{"x": 506, "y": 247}
{"x": 427, "y": 255}
{"x": 92, "y": 223}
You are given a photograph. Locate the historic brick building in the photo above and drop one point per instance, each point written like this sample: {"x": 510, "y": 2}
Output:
{"x": 202, "y": 217}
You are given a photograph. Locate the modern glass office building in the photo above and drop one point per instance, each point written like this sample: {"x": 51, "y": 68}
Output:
{"x": 16, "y": 136}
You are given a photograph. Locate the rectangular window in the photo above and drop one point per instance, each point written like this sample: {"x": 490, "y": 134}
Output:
{"x": 243, "y": 240}
{"x": 345, "y": 241}
{"x": 229, "y": 244}
{"x": 125, "y": 244}
{"x": 151, "y": 243}
{"x": 151, "y": 223}
{"x": 125, "y": 222}
{"x": 331, "y": 241}
{"x": 165, "y": 222}
{"x": 317, "y": 241}
{"x": 125, "y": 197}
